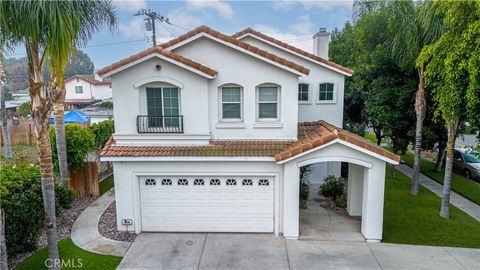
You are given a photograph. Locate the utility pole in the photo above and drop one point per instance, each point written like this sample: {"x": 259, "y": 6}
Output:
{"x": 152, "y": 16}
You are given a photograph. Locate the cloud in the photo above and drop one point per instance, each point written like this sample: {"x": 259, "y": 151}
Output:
{"x": 224, "y": 9}
{"x": 132, "y": 29}
{"x": 327, "y": 5}
{"x": 298, "y": 40}
{"x": 303, "y": 26}
{"x": 283, "y": 5}
{"x": 181, "y": 18}
{"x": 130, "y": 5}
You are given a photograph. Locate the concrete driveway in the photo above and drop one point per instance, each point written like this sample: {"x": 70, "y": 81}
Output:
{"x": 265, "y": 251}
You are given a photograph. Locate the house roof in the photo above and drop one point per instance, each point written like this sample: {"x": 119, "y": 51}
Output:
{"x": 164, "y": 52}
{"x": 318, "y": 133}
{"x": 238, "y": 43}
{"x": 90, "y": 78}
{"x": 293, "y": 49}
{"x": 310, "y": 135}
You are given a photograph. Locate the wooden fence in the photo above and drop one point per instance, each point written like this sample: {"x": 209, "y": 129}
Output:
{"x": 85, "y": 182}
{"x": 21, "y": 134}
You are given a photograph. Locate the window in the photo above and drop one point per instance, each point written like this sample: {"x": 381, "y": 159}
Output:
{"x": 263, "y": 182}
{"x": 163, "y": 107}
{"x": 231, "y": 103}
{"x": 166, "y": 182}
{"x": 78, "y": 89}
{"x": 303, "y": 92}
{"x": 325, "y": 92}
{"x": 268, "y": 102}
{"x": 198, "y": 182}
{"x": 247, "y": 182}
{"x": 231, "y": 182}
{"x": 215, "y": 182}
{"x": 150, "y": 182}
{"x": 182, "y": 182}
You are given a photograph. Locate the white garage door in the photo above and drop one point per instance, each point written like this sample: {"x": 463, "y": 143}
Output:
{"x": 207, "y": 204}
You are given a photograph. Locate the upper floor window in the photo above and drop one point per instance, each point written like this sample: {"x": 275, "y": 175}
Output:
{"x": 326, "y": 92}
{"x": 303, "y": 92}
{"x": 78, "y": 89}
{"x": 267, "y": 99}
{"x": 163, "y": 106}
{"x": 231, "y": 103}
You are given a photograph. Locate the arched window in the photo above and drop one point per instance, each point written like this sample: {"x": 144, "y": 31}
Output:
{"x": 268, "y": 97}
{"x": 231, "y": 102}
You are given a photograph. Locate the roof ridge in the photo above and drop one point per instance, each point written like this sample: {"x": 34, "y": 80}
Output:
{"x": 238, "y": 43}
{"x": 165, "y": 52}
{"x": 249, "y": 30}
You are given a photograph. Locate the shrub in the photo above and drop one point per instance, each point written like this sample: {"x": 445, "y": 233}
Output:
{"x": 341, "y": 201}
{"x": 102, "y": 131}
{"x": 21, "y": 199}
{"x": 64, "y": 196}
{"x": 304, "y": 191}
{"x": 80, "y": 141}
{"x": 24, "y": 109}
{"x": 332, "y": 187}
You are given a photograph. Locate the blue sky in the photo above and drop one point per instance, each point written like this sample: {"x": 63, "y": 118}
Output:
{"x": 291, "y": 21}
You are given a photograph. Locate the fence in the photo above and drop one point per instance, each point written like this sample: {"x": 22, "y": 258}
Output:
{"x": 21, "y": 134}
{"x": 85, "y": 182}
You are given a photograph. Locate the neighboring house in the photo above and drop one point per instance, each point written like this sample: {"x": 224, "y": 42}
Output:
{"x": 211, "y": 131}
{"x": 84, "y": 90}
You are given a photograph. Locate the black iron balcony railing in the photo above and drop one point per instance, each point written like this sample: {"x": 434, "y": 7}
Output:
{"x": 159, "y": 124}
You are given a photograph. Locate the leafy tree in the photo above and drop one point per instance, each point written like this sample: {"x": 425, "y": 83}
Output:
{"x": 23, "y": 109}
{"x": 49, "y": 30}
{"x": 79, "y": 63}
{"x": 79, "y": 141}
{"x": 413, "y": 26}
{"x": 452, "y": 69}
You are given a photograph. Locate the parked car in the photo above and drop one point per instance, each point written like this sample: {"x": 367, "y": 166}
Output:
{"x": 467, "y": 163}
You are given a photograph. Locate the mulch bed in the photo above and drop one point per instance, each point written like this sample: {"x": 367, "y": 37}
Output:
{"x": 65, "y": 220}
{"x": 108, "y": 226}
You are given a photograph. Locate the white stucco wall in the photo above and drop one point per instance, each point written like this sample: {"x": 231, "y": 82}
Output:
{"x": 70, "y": 89}
{"x": 235, "y": 67}
{"x": 312, "y": 110}
{"x": 127, "y": 185}
{"x": 129, "y": 102}
{"x": 101, "y": 91}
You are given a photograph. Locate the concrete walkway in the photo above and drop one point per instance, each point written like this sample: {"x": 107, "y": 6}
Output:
{"x": 472, "y": 209}
{"x": 85, "y": 232}
{"x": 265, "y": 251}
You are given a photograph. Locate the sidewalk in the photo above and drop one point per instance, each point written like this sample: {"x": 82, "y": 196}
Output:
{"x": 85, "y": 232}
{"x": 463, "y": 204}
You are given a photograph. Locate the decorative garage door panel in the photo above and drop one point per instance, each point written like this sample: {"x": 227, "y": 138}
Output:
{"x": 207, "y": 204}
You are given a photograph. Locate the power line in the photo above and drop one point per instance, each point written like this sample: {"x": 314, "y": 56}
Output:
{"x": 173, "y": 35}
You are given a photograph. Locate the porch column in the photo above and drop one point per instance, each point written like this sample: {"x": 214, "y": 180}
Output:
{"x": 372, "y": 202}
{"x": 291, "y": 181}
{"x": 354, "y": 189}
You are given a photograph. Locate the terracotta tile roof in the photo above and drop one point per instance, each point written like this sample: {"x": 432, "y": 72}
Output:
{"x": 292, "y": 48}
{"x": 310, "y": 135}
{"x": 234, "y": 41}
{"x": 164, "y": 52}
{"x": 314, "y": 134}
{"x": 90, "y": 78}
{"x": 215, "y": 149}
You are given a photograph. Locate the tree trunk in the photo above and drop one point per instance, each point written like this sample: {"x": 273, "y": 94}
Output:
{"x": 392, "y": 172}
{"x": 40, "y": 107}
{"x": 3, "y": 243}
{"x": 420, "y": 109}
{"x": 447, "y": 180}
{"x": 58, "y": 100}
{"x": 378, "y": 134}
{"x": 440, "y": 157}
{"x": 5, "y": 131}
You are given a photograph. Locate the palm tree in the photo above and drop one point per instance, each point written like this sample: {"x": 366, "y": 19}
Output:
{"x": 415, "y": 25}
{"x": 49, "y": 29}
{"x": 3, "y": 110}
{"x": 3, "y": 243}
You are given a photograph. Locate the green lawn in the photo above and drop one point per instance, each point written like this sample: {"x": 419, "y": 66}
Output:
{"x": 106, "y": 185}
{"x": 461, "y": 185}
{"x": 373, "y": 138}
{"x": 415, "y": 220}
{"x": 74, "y": 255}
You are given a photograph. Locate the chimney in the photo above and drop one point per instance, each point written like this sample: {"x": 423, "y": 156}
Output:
{"x": 320, "y": 43}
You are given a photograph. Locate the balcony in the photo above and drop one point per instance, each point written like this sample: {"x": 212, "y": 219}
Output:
{"x": 159, "y": 124}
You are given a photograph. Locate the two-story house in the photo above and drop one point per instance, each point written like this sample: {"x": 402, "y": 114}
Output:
{"x": 211, "y": 132}
{"x": 83, "y": 90}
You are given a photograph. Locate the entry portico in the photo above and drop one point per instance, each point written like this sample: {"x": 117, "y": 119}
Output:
{"x": 322, "y": 142}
